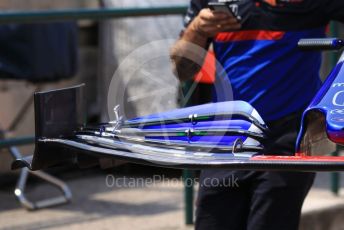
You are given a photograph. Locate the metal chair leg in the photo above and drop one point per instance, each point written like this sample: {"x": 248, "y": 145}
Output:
{"x": 21, "y": 184}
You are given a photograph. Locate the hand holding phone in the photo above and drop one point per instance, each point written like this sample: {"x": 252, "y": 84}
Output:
{"x": 223, "y": 7}
{"x": 209, "y": 23}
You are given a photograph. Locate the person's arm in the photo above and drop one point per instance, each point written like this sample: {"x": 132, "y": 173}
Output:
{"x": 189, "y": 51}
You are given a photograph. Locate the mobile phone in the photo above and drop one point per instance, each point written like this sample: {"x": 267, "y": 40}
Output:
{"x": 223, "y": 7}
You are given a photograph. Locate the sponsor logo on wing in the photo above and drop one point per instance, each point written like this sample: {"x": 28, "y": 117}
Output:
{"x": 338, "y": 99}
{"x": 338, "y": 119}
{"x": 339, "y": 84}
{"x": 337, "y": 111}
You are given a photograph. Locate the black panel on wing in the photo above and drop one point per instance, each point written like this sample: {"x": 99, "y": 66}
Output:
{"x": 58, "y": 113}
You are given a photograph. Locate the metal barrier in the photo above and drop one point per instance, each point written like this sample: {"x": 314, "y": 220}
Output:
{"x": 16, "y": 141}
{"x": 90, "y": 14}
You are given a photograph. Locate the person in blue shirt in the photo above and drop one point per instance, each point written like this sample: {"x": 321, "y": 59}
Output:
{"x": 256, "y": 51}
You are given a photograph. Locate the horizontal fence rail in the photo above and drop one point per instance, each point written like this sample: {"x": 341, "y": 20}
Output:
{"x": 16, "y": 141}
{"x": 90, "y": 14}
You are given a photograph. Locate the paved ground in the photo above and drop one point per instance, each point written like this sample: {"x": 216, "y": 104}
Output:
{"x": 97, "y": 205}
{"x": 103, "y": 203}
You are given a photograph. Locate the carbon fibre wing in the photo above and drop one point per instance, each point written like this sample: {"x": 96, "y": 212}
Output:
{"x": 59, "y": 116}
{"x": 172, "y": 158}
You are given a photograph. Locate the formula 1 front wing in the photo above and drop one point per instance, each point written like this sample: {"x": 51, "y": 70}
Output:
{"x": 63, "y": 138}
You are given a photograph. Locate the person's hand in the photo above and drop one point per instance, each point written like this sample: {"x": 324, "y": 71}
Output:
{"x": 209, "y": 23}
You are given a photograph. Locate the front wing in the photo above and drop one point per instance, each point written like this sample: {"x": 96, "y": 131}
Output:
{"x": 59, "y": 113}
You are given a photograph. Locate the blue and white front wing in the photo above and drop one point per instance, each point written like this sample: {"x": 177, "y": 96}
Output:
{"x": 323, "y": 120}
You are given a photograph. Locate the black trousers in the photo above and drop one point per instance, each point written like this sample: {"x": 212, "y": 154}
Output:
{"x": 238, "y": 200}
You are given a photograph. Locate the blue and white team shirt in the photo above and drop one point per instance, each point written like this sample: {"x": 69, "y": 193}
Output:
{"x": 261, "y": 60}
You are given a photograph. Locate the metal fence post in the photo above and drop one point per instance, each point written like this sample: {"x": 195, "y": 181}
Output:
{"x": 188, "y": 175}
{"x": 188, "y": 179}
